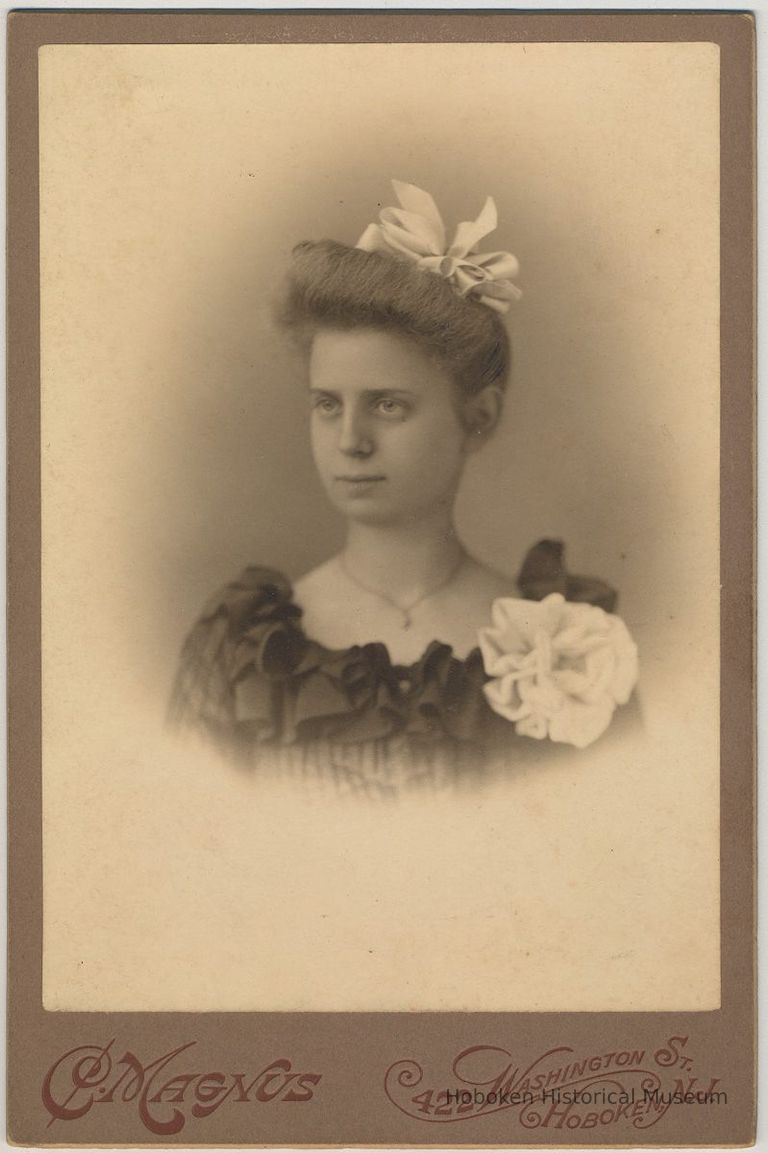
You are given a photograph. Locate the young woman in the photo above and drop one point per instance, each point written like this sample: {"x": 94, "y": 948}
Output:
{"x": 403, "y": 658}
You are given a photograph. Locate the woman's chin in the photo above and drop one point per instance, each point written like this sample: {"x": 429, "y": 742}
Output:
{"x": 370, "y": 514}
{"x": 370, "y": 510}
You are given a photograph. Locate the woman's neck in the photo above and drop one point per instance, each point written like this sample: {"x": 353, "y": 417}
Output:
{"x": 402, "y": 561}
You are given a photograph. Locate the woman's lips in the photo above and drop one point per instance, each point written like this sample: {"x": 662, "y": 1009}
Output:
{"x": 358, "y": 484}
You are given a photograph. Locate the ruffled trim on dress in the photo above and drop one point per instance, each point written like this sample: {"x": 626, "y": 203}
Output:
{"x": 248, "y": 671}
{"x": 544, "y": 572}
{"x": 250, "y": 678}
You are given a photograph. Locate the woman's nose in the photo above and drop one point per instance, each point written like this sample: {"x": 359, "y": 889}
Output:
{"x": 355, "y": 438}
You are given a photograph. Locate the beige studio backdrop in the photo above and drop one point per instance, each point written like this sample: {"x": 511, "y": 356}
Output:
{"x": 174, "y": 182}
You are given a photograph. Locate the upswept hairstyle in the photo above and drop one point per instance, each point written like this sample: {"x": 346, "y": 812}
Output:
{"x": 333, "y": 286}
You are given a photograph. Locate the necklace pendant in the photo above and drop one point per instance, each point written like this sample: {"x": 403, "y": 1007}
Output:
{"x": 404, "y": 612}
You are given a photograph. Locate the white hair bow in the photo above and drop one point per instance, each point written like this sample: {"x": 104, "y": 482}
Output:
{"x": 416, "y": 232}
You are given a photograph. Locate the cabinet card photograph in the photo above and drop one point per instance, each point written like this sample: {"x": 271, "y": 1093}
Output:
{"x": 380, "y": 402}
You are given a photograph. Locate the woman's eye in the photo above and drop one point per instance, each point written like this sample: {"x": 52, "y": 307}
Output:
{"x": 325, "y": 405}
{"x": 388, "y": 406}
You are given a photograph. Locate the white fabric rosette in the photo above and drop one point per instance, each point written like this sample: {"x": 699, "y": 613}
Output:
{"x": 558, "y": 669}
{"x": 416, "y": 232}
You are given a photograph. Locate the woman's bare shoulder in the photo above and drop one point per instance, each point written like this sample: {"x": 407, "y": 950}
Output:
{"x": 488, "y": 583}
{"x": 319, "y": 584}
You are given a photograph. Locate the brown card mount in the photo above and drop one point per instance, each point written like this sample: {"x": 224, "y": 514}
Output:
{"x": 549, "y": 945}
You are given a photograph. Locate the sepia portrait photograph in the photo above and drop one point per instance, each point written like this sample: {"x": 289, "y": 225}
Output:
{"x": 380, "y": 558}
{"x": 381, "y": 655}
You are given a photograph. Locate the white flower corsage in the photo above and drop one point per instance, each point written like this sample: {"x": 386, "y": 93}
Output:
{"x": 558, "y": 669}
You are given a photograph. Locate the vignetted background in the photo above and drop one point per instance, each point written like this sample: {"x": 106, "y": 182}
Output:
{"x": 174, "y": 182}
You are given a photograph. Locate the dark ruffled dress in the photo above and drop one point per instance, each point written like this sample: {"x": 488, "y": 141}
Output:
{"x": 264, "y": 693}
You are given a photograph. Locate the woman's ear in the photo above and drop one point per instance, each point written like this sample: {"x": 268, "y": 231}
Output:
{"x": 481, "y": 415}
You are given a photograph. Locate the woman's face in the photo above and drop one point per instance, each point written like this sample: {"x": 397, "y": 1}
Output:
{"x": 386, "y": 434}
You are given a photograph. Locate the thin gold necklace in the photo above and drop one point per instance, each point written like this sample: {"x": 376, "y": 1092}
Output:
{"x": 405, "y": 610}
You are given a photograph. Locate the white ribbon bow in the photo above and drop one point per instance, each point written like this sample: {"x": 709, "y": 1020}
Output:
{"x": 416, "y": 231}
